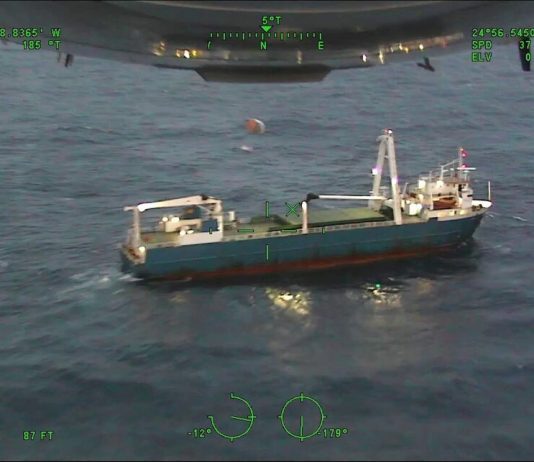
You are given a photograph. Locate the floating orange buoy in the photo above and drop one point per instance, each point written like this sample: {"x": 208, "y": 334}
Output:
{"x": 255, "y": 126}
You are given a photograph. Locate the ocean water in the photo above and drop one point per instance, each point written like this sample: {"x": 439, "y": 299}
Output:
{"x": 436, "y": 362}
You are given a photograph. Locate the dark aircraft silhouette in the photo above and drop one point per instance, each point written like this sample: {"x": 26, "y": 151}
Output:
{"x": 266, "y": 41}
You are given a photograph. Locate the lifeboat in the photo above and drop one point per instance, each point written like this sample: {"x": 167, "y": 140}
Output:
{"x": 255, "y": 126}
{"x": 445, "y": 203}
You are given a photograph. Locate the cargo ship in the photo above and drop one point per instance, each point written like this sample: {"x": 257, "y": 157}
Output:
{"x": 201, "y": 240}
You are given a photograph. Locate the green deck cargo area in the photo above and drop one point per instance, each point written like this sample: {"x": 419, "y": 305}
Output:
{"x": 326, "y": 217}
{"x": 316, "y": 218}
{"x": 261, "y": 224}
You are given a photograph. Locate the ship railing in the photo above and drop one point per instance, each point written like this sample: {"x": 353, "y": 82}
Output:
{"x": 448, "y": 170}
{"x": 314, "y": 230}
{"x": 317, "y": 230}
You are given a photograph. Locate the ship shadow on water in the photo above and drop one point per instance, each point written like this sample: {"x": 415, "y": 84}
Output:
{"x": 452, "y": 262}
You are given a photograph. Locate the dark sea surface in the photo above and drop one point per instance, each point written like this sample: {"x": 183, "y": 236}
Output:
{"x": 437, "y": 363}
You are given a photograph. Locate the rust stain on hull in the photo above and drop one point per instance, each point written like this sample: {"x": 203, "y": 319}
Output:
{"x": 310, "y": 265}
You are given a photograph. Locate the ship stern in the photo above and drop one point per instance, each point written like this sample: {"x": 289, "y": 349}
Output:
{"x": 131, "y": 263}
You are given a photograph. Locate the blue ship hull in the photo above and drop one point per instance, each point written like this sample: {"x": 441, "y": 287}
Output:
{"x": 301, "y": 251}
